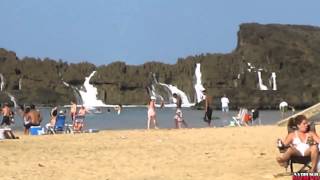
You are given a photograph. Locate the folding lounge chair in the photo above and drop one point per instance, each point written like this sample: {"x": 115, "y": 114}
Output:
{"x": 236, "y": 121}
{"x": 240, "y": 119}
{"x": 303, "y": 160}
{"x": 60, "y": 126}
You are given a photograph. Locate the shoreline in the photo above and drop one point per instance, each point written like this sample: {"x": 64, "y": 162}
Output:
{"x": 195, "y": 107}
{"x": 193, "y": 153}
{"x": 19, "y": 131}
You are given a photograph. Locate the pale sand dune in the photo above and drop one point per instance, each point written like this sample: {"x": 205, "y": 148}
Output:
{"x": 208, "y": 153}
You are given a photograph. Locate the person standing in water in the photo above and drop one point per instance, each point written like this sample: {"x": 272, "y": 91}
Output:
{"x": 152, "y": 112}
{"x": 225, "y": 104}
{"x": 283, "y": 107}
{"x": 178, "y": 116}
{"x": 79, "y": 120}
{"x": 208, "y": 108}
{"x": 118, "y": 108}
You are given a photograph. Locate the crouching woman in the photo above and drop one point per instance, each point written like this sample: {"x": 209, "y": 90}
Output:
{"x": 301, "y": 142}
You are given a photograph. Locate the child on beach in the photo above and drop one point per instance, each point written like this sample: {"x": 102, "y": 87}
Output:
{"x": 178, "y": 116}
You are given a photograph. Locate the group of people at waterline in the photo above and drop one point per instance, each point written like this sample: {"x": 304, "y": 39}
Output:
{"x": 32, "y": 117}
{"x": 179, "y": 121}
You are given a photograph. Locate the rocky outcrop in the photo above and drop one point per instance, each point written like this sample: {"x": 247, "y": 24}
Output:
{"x": 292, "y": 52}
{"x": 39, "y": 81}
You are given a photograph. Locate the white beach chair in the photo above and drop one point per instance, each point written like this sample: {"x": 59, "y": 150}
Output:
{"x": 240, "y": 116}
{"x": 235, "y": 120}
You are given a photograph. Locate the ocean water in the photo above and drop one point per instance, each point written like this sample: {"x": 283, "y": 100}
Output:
{"x": 136, "y": 118}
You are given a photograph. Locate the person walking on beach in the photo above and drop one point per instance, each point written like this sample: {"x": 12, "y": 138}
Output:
{"x": 73, "y": 111}
{"x": 152, "y": 113}
{"x": 178, "y": 116}
{"x": 225, "y": 104}
{"x": 208, "y": 108}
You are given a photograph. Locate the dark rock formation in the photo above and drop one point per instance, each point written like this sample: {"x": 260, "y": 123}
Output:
{"x": 290, "y": 51}
{"x": 41, "y": 80}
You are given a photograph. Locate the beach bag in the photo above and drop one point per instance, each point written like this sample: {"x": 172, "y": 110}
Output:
{"x": 205, "y": 119}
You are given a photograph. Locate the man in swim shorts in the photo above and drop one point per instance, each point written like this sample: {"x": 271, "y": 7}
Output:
{"x": 208, "y": 108}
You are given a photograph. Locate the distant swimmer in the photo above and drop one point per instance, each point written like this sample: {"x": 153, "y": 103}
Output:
{"x": 225, "y": 104}
{"x": 98, "y": 110}
{"x": 118, "y": 108}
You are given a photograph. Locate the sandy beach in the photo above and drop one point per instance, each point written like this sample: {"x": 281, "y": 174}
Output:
{"x": 206, "y": 153}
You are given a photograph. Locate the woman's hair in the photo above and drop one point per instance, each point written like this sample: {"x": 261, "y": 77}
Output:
{"x": 292, "y": 123}
{"x": 27, "y": 109}
{"x": 298, "y": 119}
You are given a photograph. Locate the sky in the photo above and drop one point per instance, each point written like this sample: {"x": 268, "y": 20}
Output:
{"x": 137, "y": 31}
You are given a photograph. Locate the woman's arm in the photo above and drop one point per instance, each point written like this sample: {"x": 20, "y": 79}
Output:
{"x": 288, "y": 140}
{"x": 315, "y": 137}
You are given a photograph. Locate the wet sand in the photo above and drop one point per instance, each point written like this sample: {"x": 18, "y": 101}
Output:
{"x": 205, "y": 153}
